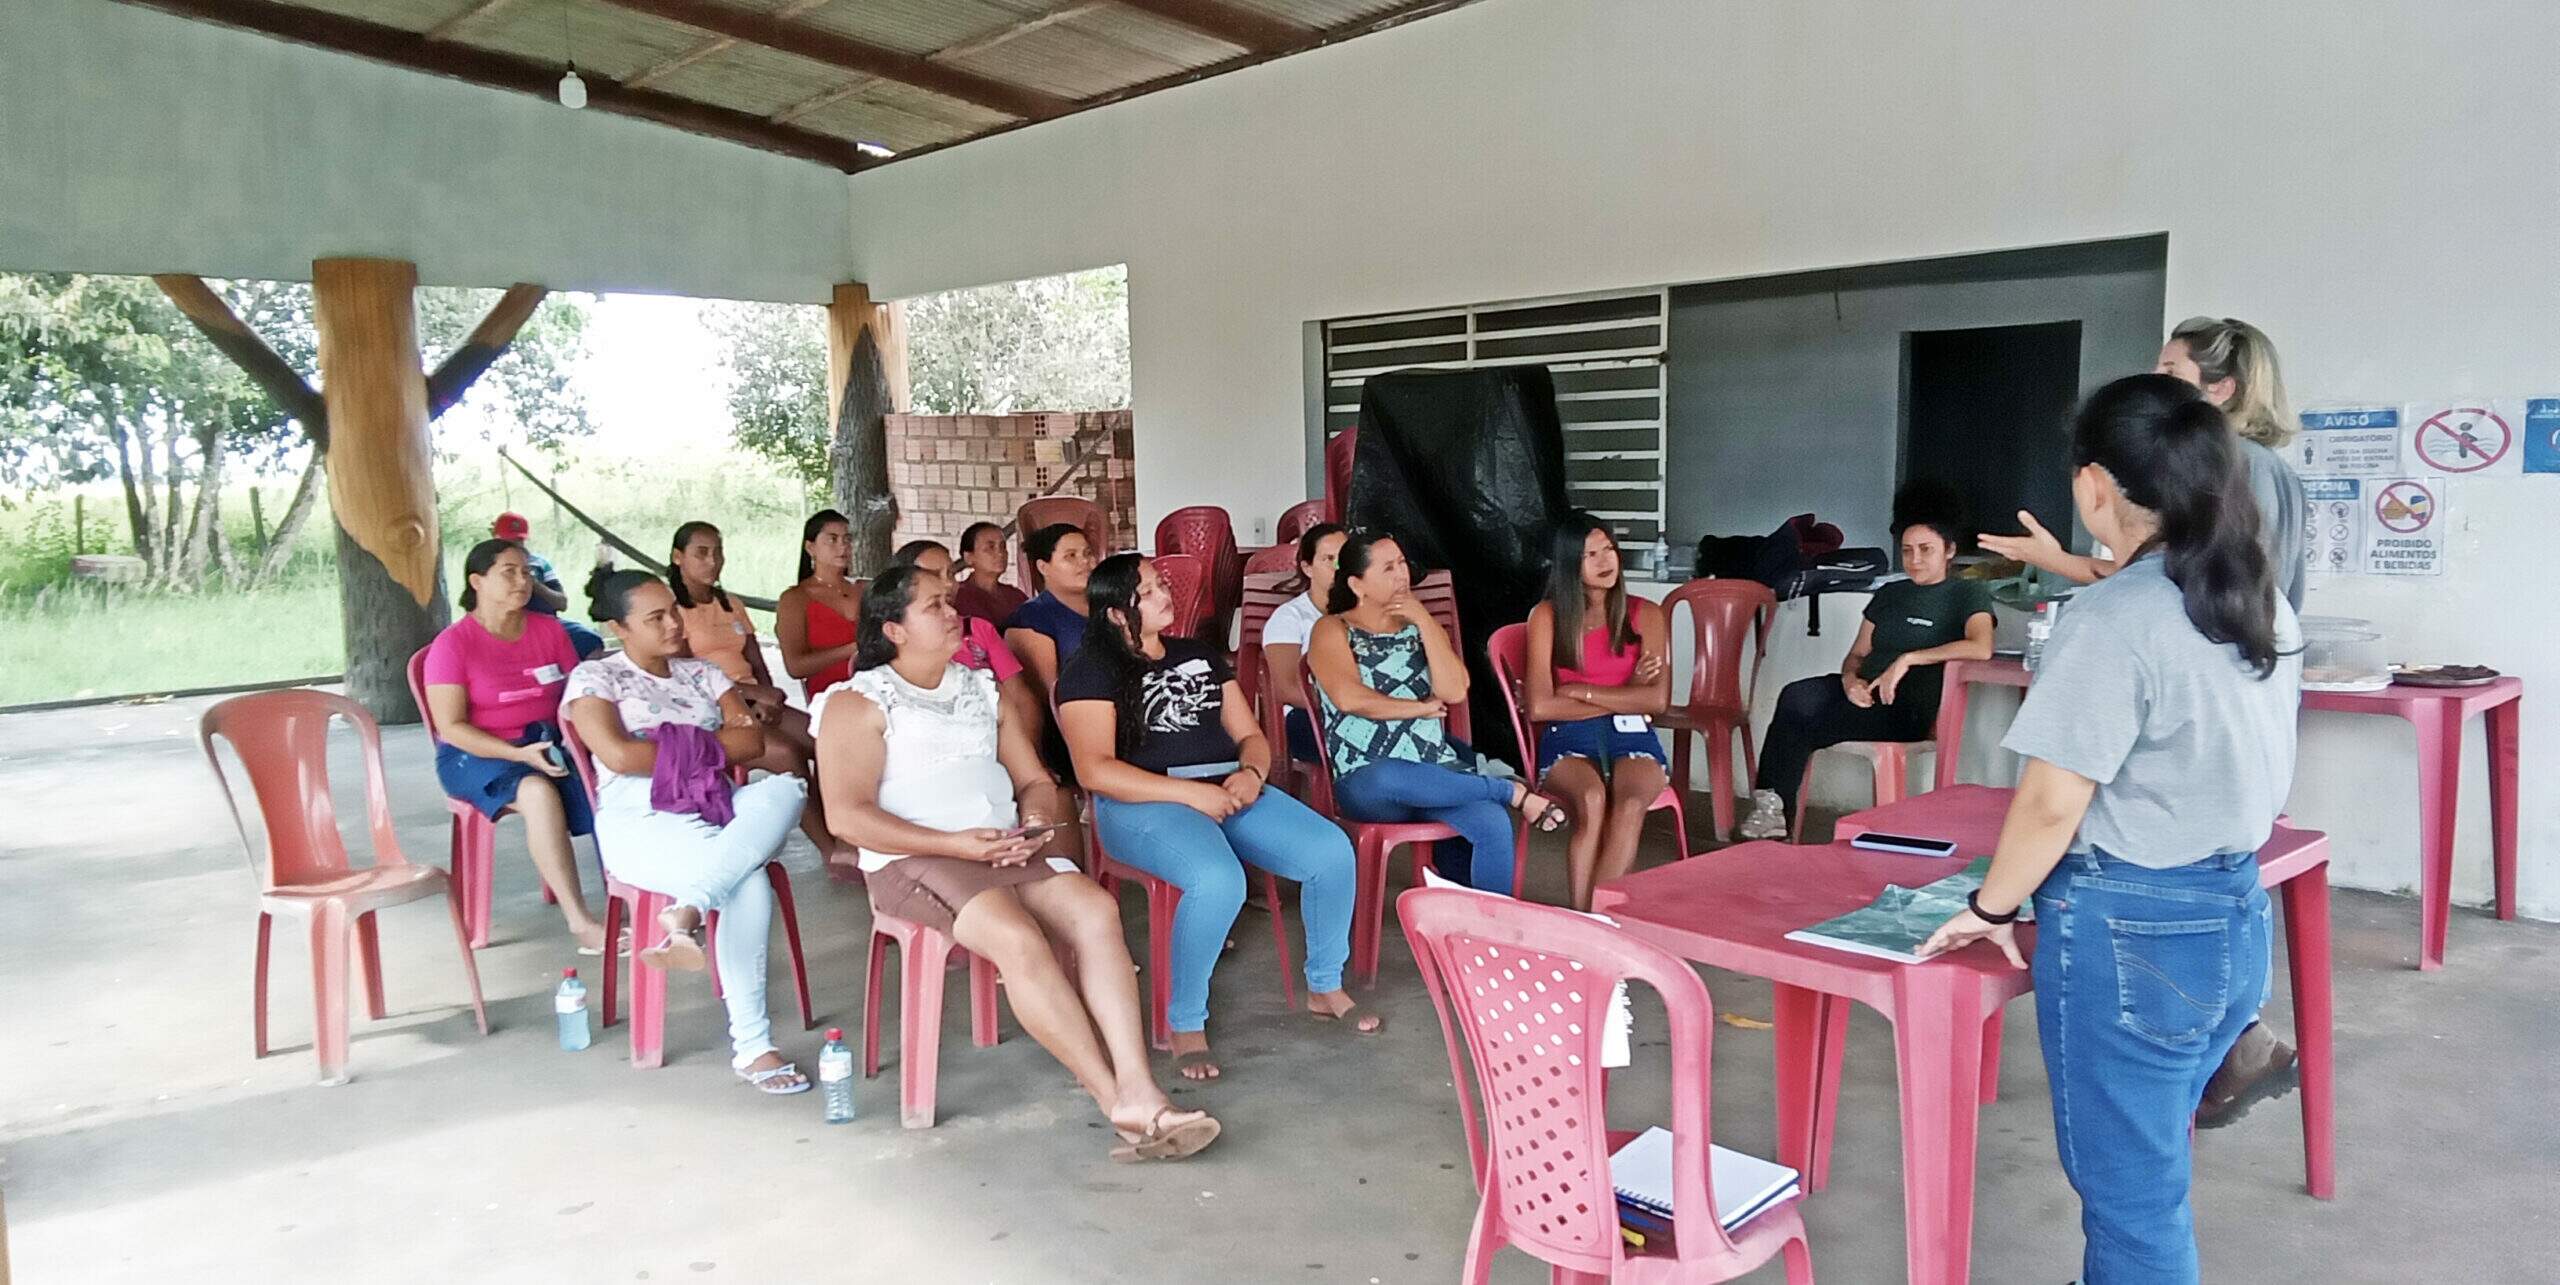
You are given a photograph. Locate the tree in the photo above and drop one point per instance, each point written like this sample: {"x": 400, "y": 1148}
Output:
{"x": 106, "y": 377}
{"x": 1054, "y": 343}
{"x": 776, "y": 359}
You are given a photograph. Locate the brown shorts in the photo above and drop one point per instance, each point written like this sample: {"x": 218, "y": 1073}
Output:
{"x": 931, "y": 890}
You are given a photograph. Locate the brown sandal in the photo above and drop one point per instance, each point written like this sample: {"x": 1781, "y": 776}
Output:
{"x": 1352, "y": 1017}
{"x": 679, "y": 950}
{"x": 1181, "y": 1142}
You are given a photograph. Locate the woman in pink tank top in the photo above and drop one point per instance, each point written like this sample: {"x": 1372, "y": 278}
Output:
{"x": 1597, "y": 674}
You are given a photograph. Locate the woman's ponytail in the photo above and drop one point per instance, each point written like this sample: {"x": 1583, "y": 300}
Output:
{"x": 2171, "y": 452}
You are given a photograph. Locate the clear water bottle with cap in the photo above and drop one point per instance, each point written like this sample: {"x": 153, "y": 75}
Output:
{"x": 570, "y": 1003}
{"x": 2039, "y": 631}
{"x": 835, "y": 1077}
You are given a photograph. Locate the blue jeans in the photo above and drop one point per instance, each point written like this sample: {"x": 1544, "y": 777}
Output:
{"x": 1477, "y": 807}
{"x": 1206, "y": 859}
{"x": 2144, "y": 978}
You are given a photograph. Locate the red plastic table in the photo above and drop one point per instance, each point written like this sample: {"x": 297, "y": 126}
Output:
{"x": 2295, "y": 863}
{"x": 2436, "y": 713}
{"x": 1734, "y": 908}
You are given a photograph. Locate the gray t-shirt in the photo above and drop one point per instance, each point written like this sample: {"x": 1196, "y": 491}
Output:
{"x": 2283, "y": 507}
{"x": 2191, "y": 750}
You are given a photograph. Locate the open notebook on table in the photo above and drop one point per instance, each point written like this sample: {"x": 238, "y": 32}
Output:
{"x": 1894, "y": 925}
{"x": 1744, "y": 1185}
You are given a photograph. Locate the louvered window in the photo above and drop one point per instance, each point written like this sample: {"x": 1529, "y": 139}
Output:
{"x": 1605, "y": 352}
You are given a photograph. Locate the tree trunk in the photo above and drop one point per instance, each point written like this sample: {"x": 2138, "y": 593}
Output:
{"x": 279, "y": 549}
{"x": 133, "y": 510}
{"x": 169, "y": 478}
{"x": 204, "y": 518}
{"x": 383, "y": 625}
{"x": 866, "y": 363}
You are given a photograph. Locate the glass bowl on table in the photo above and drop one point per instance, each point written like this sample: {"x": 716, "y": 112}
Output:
{"x": 2342, "y": 654}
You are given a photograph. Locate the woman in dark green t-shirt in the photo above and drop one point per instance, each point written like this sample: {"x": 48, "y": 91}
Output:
{"x": 1887, "y": 687}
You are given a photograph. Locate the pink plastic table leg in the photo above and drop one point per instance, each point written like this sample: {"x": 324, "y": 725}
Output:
{"x": 1950, "y": 730}
{"x": 1991, "y": 1056}
{"x": 1937, "y": 1035}
{"x": 2504, "y": 727}
{"x": 1807, "y": 1079}
{"x": 2439, "y": 735}
{"x": 2306, "y": 927}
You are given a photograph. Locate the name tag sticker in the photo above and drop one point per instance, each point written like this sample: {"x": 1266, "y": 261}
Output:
{"x": 1062, "y": 865}
{"x": 1633, "y": 723}
{"x": 738, "y": 627}
{"x": 548, "y": 675}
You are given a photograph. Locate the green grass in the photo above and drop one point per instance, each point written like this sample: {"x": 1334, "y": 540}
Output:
{"x": 60, "y": 640}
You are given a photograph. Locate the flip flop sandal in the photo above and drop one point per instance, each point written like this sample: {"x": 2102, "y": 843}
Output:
{"x": 1181, "y": 1142}
{"x": 1546, "y": 820}
{"x": 677, "y": 951}
{"x": 1199, "y": 1057}
{"x": 1352, "y": 1017}
{"x": 763, "y": 1081}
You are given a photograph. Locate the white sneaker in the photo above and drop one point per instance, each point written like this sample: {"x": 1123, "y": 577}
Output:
{"x": 1768, "y": 819}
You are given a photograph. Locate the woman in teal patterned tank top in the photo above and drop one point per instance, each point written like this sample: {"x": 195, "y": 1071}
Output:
{"x": 1386, "y": 678}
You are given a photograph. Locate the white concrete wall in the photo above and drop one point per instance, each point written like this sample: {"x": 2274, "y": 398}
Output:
{"x": 133, "y": 141}
{"x": 2374, "y": 181}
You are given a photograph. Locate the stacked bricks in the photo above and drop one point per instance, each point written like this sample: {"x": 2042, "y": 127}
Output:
{"x": 948, "y": 471}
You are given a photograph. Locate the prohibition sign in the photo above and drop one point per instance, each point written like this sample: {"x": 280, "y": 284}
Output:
{"x": 2404, "y": 508}
{"x": 2463, "y": 439}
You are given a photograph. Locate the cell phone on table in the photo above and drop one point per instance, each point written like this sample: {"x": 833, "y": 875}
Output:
{"x": 1907, "y": 844}
{"x": 1034, "y": 831}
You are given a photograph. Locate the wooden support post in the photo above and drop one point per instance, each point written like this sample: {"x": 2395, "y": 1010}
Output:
{"x": 381, "y": 474}
{"x": 866, "y": 383}
{"x": 258, "y": 518}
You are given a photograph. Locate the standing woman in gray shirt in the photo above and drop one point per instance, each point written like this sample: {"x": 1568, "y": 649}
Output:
{"x": 2160, "y": 740}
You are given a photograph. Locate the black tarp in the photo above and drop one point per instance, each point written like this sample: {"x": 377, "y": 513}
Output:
{"x": 1466, "y": 468}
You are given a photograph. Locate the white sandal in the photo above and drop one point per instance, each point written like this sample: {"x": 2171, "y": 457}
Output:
{"x": 763, "y": 1081}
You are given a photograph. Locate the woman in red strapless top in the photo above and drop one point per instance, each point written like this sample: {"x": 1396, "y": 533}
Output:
{"x": 813, "y": 620}
{"x": 1596, "y": 676}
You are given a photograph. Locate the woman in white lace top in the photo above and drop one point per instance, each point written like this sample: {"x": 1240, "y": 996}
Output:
{"x": 941, "y": 787}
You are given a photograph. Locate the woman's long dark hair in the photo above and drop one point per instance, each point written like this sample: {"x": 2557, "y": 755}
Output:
{"x": 1112, "y": 639}
{"x": 2171, "y": 452}
{"x": 609, "y": 592}
{"x": 483, "y": 556}
{"x": 1307, "y": 543}
{"x": 1353, "y": 560}
{"x": 884, "y": 602}
{"x": 1565, "y": 591}
{"x": 809, "y": 531}
{"x": 675, "y": 577}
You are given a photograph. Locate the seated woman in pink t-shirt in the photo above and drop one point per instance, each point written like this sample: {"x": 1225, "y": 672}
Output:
{"x": 493, "y": 681}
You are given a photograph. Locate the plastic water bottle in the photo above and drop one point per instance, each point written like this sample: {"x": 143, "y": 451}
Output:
{"x": 2039, "y": 629}
{"x": 570, "y": 1003}
{"x": 835, "y": 1077}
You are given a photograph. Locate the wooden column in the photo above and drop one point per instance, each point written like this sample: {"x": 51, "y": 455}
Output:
{"x": 866, "y": 383}
{"x": 381, "y": 474}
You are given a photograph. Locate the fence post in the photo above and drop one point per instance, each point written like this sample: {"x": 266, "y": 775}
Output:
{"x": 79, "y": 524}
{"x": 258, "y": 518}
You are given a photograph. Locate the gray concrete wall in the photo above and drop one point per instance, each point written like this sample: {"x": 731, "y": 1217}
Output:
{"x": 1785, "y": 395}
{"x": 132, "y": 141}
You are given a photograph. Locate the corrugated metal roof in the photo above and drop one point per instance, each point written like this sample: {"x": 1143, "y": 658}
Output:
{"x": 1073, "y": 51}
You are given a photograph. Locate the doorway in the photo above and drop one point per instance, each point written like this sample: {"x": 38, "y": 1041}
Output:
{"x": 1986, "y": 411}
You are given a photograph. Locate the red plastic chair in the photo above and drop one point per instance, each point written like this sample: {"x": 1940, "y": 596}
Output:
{"x": 1280, "y": 559}
{"x": 1162, "y": 898}
{"x": 638, "y": 908}
{"x": 1522, "y": 991}
{"x": 1373, "y": 846}
{"x": 1296, "y": 519}
{"x": 472, "y": 842}
{"x": 1264, "y": 593}
{"x": 1722, "y": 615}
{"x": 1338, "y": 456}
{"x": 1187, "y": 581}
{"x": 1207, "y": 533}
{"x": 1049, "y": 510}
{"x": 924, "y": 955}
{"x": 282, "y": 738}
{"x": 1509, "y": 648}
{"x": 1889, "y": 761}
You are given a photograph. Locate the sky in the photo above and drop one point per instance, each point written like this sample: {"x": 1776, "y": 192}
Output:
{"x": 651, "y": 375}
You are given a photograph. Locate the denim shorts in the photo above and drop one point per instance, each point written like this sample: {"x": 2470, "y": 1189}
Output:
{"x": 1598, "y": 739}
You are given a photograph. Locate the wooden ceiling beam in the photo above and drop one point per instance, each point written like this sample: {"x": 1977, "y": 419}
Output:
{"x": 470, "y": 13}
{"x": 1251, "y": 30}
{"x": 711, "y": 48}
{"x": 819, "y": 45}
{"x": 415, "y": 52}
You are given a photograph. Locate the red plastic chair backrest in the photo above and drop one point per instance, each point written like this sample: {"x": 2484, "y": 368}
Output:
{"x": 1523, "y": 990}
{"x": 1322, "y": 781}
{"x": 1188, "y": 582}
{"x": 1724, "y": 615}
{"x": 1207, "y": 533}
{"x": 1297, "y": 519}
{"x": 282, "y": 739}
{"x": 1282, "y": 558}
{"x": 1438, "y": 595}
{"x": 1508, "y": 649}
{"x": 1050, "y": 510}
{"x": 1264, "y": 592}
{"x": 1338, "y": 455}
{"x": 580, "y": 760}
{"x": 418, "y": 690}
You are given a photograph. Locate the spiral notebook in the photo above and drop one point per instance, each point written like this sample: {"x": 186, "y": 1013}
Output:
{"x": 1745, "y": 1186}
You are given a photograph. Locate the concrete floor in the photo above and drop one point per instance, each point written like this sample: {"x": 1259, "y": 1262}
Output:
{"x": 142, "y": 1142}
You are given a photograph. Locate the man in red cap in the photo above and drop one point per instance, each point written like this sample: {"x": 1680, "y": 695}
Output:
{"x": 549, "y": 597}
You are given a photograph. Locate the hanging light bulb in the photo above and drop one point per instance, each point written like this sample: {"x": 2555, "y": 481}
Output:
{"x": 573, "y": 91}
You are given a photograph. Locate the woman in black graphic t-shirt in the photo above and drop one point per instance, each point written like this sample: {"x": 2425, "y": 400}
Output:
{"x": 1170, "y": 750}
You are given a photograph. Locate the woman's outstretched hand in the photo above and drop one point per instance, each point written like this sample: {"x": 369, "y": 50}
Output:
{"x": 2037, "y": 548}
